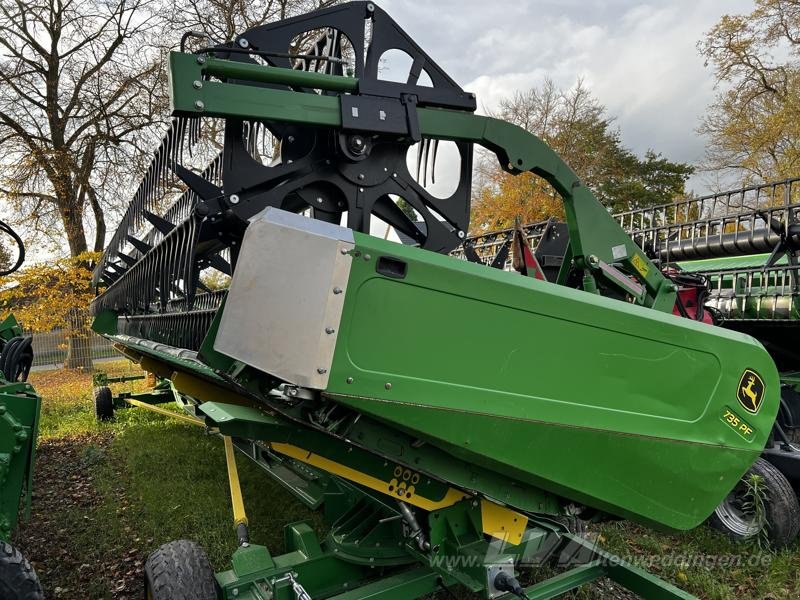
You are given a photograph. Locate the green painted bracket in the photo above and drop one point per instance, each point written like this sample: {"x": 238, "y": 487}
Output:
{"x": 105, "y": 323}
{"x": 596, "y": 239}
{"x": 20, "y": 407}
{"x": 245, "y": 422}
{"x": 605, "y": 564}
{"x": 9, "y": 328}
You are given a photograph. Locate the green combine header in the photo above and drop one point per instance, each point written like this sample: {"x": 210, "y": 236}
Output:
{"x": 733, "y": 257}
{"x": 452, "y": 421}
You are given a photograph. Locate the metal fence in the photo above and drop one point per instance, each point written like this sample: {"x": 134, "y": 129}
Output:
{"x": 50, "y": 349}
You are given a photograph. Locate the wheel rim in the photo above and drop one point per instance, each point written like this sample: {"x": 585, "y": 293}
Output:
{"x": 735, "y": 518}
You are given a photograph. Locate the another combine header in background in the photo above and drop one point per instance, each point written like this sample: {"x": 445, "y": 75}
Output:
{"x": 733, "y": 256}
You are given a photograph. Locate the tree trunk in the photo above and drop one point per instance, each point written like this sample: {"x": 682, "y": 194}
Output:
{"x": 79, "y": 341}
{"x": 79, "y": 351}
{"x": 72, "y": 218}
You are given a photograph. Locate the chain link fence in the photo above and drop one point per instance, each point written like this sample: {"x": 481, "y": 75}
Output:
{"x": 52, "y": 348}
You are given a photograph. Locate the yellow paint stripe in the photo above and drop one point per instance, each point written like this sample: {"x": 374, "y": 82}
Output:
{"x": 451, "y": 497}
{"x": 206, "y": 391}
{"x": 165, "y": 412}
{"x": 239, "y": 515}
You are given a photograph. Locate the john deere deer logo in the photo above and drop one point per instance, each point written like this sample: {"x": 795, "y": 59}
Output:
{"x": 751, "y": 391}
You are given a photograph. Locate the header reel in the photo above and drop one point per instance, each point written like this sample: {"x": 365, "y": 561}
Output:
{"x": 348, "y": 175}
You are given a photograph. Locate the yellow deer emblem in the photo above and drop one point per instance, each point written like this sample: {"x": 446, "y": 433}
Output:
{"x": 748, "y": 391}
{"x": 751, "y": 391}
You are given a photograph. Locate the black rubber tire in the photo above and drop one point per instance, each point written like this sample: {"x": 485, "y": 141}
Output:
{"x": 179, "y": 570}
{"x": 103, "y": 403}
{"x": 782, "y": 510}
{"x": 18, "y": 579}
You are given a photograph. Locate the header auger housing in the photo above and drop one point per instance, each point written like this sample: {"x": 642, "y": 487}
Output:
{"x": 355, "y": 370}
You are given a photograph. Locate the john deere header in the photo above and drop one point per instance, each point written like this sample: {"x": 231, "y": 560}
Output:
{"x": 364, "y": 374}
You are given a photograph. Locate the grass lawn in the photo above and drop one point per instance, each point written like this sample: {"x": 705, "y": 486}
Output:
{"x": 108, "y": 494}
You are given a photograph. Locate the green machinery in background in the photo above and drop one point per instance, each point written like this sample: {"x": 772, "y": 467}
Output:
{"x": 451, "y": 421}
{"x": 19, "y": 426}
{"x": 734, "y": 257}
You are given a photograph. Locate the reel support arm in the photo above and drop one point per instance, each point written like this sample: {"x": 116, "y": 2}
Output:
{"x": 597, "y": 241}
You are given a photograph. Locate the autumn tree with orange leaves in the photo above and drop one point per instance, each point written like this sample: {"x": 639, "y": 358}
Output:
{"x": 54, "y": 295}
{"x": 576, "y": 126}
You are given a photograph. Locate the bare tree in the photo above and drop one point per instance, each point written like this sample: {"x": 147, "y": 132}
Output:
{"x": 82, "y": 84}
{"x": 77, "y": 83}
{"x": 75, "y": 88}
{"x": 221, "y": 20}
{"x": 753, "y": 125}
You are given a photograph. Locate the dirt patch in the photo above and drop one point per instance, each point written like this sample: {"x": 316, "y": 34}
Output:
{"x": 78, "y": 549}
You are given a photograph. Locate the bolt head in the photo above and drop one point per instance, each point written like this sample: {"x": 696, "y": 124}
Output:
{"x": 319, "y": 200}
{"x": 234, "y": 199}
{"x": 197, "y": 84}
{"x": 462, "y": 235}
{"x": 243, "y": 43}
{"x": 349, "y": 380}
{"x": 388, "y": 385}
{"x": 199, "y": 105}
{"x": 357, "y": 145}
{"x": 201, "y": 60}
{"x": 329, "y": 330}
{"x": 337, "y": 290}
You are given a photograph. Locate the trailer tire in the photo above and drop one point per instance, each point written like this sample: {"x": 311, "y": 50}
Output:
{"x": 18, "y": 579}
{"x": 103, "y": 403}
{"x": 782, "y": 511}
{"x": 179, "y": 570}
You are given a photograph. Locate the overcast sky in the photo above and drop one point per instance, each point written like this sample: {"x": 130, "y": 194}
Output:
{"x": 639, "y": 58}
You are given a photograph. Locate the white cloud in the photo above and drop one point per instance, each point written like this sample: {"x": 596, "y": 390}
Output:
{"x": 640, "y": 59}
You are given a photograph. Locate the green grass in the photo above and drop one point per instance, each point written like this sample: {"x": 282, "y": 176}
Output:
{"x": 154, "y": 480}
{"x": 144, "y": 479}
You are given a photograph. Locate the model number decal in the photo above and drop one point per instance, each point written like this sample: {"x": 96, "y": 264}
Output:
{"x": 738, "y": 424}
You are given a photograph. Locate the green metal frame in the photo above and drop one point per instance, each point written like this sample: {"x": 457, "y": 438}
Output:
{"x": 366, "y": 553}
{"x": 20, "y": 407}
{"x": 101, "y": 378}
{"x": 596, "y": 239}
